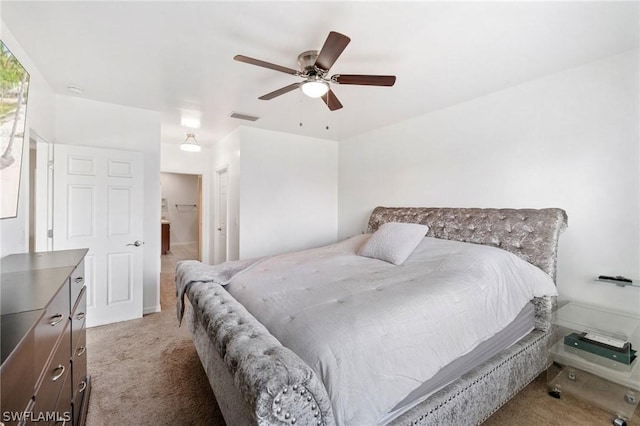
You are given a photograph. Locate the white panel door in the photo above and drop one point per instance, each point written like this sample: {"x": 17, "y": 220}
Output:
{"x": 98, "y": 205}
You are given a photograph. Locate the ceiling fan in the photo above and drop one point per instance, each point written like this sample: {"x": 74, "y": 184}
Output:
{"x": 314, "y": 68}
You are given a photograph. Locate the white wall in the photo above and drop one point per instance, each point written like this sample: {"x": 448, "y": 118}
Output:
{"x": 283, "y": 192}
{"x": 181, "y": 192}
{"x": 14, "y": 232}
{"x": 98, "y": 124}
{"x": 174, "y": 160}
{"x": 568, "y": 140}
{"x": 76, "y": 121}
{"x": 288, "y": 192}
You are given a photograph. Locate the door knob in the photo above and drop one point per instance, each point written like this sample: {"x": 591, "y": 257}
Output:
{"x": 136, "y": 243}
{"x": 219, "y": 229}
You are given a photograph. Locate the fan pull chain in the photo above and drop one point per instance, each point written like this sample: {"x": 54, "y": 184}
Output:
{"x": 327, "y": 116}
{"x": 300, "y": 108}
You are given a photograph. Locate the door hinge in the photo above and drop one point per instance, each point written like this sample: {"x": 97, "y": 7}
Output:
{"x": 50, "y": 233}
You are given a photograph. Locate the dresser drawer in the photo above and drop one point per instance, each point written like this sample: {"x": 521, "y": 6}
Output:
{"x": 63, "y": 412}
{"x": 53, "y": 322}
{"x": 80, "y": 381}
{"x": 79, "y": 365}
{"x": 79, "y": 404}
{"x": 78, "y": 319}
{"x": 21, "y": 387}
{"x": 54, "y": 376}
{"x": 17, "y": 377}
{"x": 77, "y": 282}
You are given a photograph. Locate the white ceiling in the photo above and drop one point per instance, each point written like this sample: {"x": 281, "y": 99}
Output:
{"x": 172, "y": 56}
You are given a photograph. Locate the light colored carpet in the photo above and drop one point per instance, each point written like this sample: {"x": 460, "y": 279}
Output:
{"x": 533, "y": 406}
{"x": 147, "y": 372}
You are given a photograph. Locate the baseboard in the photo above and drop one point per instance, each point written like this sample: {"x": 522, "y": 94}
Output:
{"x": 151, "y": 309}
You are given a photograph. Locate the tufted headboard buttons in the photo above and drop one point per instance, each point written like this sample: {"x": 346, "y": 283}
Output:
{"x": 531, "y": 234}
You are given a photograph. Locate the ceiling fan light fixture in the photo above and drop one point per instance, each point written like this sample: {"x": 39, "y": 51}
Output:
{"x": 314, "y": 68}
{"x": 190, "y": 144}
{"x": 315, "y": 88}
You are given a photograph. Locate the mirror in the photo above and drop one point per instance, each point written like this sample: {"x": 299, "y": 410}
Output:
{"x": 14, "y": 85}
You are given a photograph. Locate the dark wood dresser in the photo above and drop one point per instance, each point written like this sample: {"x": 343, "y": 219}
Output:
{"x": 43, "y": 376}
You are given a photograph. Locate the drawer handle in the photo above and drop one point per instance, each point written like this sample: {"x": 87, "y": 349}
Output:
{"x": 60, "y": 374}
{"x": 83, "y": 386}
{"x": 80, "y": 315}
{"x": 79, "y": 280}
{"x": 56, "y": 319}
{"x": 81, "y": 350}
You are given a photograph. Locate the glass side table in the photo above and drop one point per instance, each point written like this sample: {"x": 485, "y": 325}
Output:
{"x": 593, "y": 371}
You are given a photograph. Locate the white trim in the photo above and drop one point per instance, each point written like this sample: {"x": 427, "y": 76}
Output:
{"x": 151, "y": 310}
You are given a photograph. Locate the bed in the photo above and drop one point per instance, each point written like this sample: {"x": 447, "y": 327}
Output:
{"x": 315, "y": 358}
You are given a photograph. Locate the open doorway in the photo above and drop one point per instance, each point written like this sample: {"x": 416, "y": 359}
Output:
{"x": 181, "y": 219}
{"x": 40, "y": 193}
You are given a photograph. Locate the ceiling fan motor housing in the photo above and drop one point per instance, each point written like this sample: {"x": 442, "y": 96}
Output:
{"x": 307, "y": 62}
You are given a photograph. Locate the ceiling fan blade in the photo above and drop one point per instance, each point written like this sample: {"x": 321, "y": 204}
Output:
{"x": 333, "y": 47}
{"x": 365, "y": 80}
{"x": 331, "y": 100}
{"x": 258, "y": 62}
{"x": 279, "y": 92}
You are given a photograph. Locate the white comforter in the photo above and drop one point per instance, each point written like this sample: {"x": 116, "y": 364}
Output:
{"x": 373, "y": 331}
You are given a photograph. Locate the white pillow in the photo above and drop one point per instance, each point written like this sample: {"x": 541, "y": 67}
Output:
{"x": 393, "y": 242}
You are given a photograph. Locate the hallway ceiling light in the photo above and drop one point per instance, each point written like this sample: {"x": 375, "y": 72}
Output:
{"x": 190, "y": 118}
{"x": 190, "y": 122}
{"x": 191, "y": 144}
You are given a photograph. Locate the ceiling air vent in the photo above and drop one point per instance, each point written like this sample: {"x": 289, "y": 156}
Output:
{"x": 242, "y": 116}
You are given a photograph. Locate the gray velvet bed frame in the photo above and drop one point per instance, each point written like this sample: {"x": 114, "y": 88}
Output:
{"x": 256, "y": 380}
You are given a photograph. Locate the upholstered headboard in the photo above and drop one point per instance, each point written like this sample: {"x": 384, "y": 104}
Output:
{"x": 531, "y": 234}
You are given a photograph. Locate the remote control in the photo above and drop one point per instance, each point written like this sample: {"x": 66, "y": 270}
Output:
{"x": 616, "y": 278}
{"x": 605, "y": 340}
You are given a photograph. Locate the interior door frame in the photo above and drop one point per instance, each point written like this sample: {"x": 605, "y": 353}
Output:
{"x": 199, "y": 217}
{"x": 203, "y": 210}
{"x": 219, "y": 170}
{"x": 41, "y": 205}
